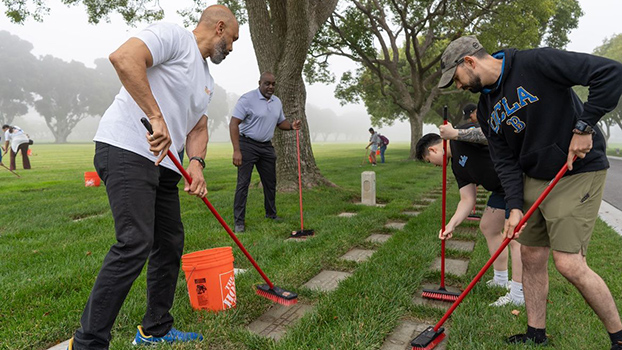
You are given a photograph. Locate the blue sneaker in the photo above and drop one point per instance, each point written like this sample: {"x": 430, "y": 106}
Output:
{"x": 172, "y": 336}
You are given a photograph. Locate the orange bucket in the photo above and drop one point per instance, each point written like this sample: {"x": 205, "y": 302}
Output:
{"x": 210, "y": 278}
{"x": 91, "y": 179}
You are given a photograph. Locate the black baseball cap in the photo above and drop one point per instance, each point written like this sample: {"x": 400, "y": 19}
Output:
{"x": 468, "y": 109}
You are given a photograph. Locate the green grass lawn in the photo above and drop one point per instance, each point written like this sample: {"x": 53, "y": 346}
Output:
{"x": 49, "y": 260}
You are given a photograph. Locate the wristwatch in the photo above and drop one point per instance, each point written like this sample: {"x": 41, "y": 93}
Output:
{"x": 583, "y": 128}
{"x": 200, "y": 160}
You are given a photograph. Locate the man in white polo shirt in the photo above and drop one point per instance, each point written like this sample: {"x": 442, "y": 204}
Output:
{"x": 255, "y": 116}
{"x": 165, "y": 77}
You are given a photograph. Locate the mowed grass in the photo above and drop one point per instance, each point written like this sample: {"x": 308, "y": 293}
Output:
{"x": 49, "y": 260}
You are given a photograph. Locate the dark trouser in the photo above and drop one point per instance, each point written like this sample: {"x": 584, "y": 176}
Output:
{"x": 261, "y": 155}
{"x": 144, "y": 200}
{"x": 25, "y": 161}
{"x": 382, "y": 149}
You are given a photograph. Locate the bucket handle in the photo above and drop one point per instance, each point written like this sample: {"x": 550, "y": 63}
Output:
{"x": 188, "y": 276}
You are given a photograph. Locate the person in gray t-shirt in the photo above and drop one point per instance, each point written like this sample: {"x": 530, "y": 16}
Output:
{"x": 375, "y": 142}
{"x": 251, "y": 128}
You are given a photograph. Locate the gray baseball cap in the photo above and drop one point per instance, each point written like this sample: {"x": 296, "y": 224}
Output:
{"x": 453, "y": 55}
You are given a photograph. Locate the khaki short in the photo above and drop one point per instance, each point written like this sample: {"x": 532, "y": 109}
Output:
{"x": 565, "y": 219}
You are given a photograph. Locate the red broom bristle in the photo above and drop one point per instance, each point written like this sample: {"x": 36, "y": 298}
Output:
{"x": 275, "y": 298}
{"x": 432, "y": 344}
{"x": 440, "y": 296}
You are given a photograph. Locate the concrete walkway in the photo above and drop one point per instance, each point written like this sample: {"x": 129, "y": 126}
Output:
{"x": 612, "y": 216}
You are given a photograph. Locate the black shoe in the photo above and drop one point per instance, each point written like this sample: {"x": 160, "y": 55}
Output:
{"x": 617, "y": 346}
{"x": 239, "y": 228}
{"x": 275, "y": 218}
{"x": 522, "y": 339}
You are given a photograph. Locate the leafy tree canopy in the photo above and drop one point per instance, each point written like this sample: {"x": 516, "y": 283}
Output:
{"x": 18, "y": 11}
{"x": 398, "y": 43}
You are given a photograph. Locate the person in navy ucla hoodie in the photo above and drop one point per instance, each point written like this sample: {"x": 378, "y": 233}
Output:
{"x": 535, "y": 123}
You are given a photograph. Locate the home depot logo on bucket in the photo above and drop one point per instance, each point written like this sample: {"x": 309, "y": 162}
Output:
{"x": 228, "y": 301}
{"x": 91, "y": 179}
{"x": 210, "y": 278}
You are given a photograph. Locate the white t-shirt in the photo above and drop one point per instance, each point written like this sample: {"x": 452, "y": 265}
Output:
{"x": 181, "y": 84}
{"x": 16, "y": 138}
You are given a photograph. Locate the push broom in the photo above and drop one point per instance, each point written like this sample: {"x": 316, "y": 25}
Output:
{"x": 302, "y": 232}
{"x": 442, "y": 293}
{"x": 268, "y": 290}
{"x": 429, "y": 338}
{"x": 14, "y": 173}
{"x": 364, "y": 158}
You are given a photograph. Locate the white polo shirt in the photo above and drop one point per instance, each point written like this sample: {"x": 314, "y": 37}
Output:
{"x": 181, "y": 84}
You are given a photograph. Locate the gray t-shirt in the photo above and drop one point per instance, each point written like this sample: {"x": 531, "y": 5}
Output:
{"x": 259, "y": 115}
{"x": 375, "y": 139}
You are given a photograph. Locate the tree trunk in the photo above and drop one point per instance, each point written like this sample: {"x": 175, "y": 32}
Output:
{"x": 293, "y": 95}
{"x": 416, "y": 130}
{"x": 281, "y": 38}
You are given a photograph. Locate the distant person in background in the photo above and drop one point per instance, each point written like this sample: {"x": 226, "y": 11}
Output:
{"x": 383, "y": 146}
{"x": 375, "y": 143}
{"x": 255, "y": 116}
{"x": 3, "y": 148}
{"x": 16, "y": 140}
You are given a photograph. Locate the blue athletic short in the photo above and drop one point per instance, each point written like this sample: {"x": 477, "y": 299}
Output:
{"x": 497, "y": 201}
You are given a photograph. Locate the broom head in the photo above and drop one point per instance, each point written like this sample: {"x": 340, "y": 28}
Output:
{"x": 428, "y": 339}
{"x": 474, "y": 217}
{"x": 277, "y": 294}
{"x": 440, "y": 294}
{"x": 302, "y": 234}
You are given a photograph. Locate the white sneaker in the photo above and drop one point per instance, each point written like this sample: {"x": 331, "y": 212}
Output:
{"x": 507, "y": 300}
{"x": 493, "y": 284}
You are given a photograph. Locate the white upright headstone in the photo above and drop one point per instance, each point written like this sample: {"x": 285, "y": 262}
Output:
{"x": 368, "y": 188}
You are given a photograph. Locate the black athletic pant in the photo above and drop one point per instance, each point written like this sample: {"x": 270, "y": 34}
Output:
{"x": 25, "y": 160}
{"x": 261, "y": 155}
{"x": 144, "y": 200}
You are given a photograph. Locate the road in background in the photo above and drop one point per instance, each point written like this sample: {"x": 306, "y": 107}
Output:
{"x": 613, "y": 185}
{"x": 611, "y": 207}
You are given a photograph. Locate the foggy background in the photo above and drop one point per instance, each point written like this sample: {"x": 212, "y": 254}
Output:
{"x": 65, "y": 34}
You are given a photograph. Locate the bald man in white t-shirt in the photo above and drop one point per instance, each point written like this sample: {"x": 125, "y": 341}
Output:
{"x": 166, "y": 78}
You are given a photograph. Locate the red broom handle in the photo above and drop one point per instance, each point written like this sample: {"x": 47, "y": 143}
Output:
{"x": 504, "y": 244}
{"x": 302, "y": 227}
{"x": 183, "y": 171}
{"x": 443, "y": 202}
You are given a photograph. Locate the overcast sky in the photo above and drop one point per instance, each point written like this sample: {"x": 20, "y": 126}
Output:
{"x": 65, "y": 33}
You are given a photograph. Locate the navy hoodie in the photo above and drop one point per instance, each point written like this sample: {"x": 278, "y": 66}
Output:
{"x": 529, "y": 113}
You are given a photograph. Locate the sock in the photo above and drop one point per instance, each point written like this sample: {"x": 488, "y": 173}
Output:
{"x": 616, "y": 337}
{"x": 516, "y": 291}
{"x": 538, "y": 335}
{"x": 501, "y": 277}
